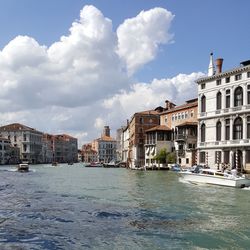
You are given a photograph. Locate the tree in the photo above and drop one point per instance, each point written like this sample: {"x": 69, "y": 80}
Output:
{"x": 171, "y": 157}
{"x": 161, "y": 156}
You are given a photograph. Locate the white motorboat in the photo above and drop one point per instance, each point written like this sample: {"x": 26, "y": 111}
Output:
{"x": 23, "y": 167}
{"x": 215, "y": 177}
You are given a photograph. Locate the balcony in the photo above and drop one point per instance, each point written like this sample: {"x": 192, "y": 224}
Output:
{"x": 184, "y": 137}
{"x": 181, "y": 153}
{"x": 237, "y": 108}
{"x": 203, "y": 114}
{"x": 180, "y": 137}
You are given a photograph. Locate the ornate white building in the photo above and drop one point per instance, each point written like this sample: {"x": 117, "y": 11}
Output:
{"x": 224, "y": 116}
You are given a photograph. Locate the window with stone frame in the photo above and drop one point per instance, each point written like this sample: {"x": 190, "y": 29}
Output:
{"x": 228, "y": 98}
{"x": 227, "y": 129}
{"x": 203, "y": 132}
{"x": 248, "y": 127}
{"x": 202, "y": 157}
{"x": 248, "y": 94}
{"x": 238, "y": 97}
{"x": 218, "y": 131}
{"x": 203, "y": 104}
{"x": 218, "y": 101}
{"x": 237, "y": 129}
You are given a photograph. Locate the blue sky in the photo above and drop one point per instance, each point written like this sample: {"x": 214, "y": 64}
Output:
{"x": 198, "y": 27}
{"x": 77, "y": 86}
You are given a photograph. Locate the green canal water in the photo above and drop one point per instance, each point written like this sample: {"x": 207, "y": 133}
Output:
{"x": 73, "y": 207}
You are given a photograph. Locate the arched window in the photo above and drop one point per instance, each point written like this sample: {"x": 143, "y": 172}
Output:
{"x": 238, "y": 97}
{"x": 203, "y": 132}
{"x": 218, "y": 101}
{"x": 203, "y": 103}
{"x": 218, "y": 131}
{"x": 237, "y": 129}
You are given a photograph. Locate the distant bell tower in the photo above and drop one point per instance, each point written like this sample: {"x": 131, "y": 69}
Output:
{"x": 106, "y": 131}
{"x": 211, "y": 70}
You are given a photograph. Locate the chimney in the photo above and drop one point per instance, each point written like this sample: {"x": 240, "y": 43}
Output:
{"x": 106, "y": 131}
{"x": 219, "y": 62}
{"x": 169, "y": 105}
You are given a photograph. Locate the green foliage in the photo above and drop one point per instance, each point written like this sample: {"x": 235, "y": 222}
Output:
{"x": 161, "y": 156}
{"x": 171, "y": 157}
{"x": 165, "y": 157}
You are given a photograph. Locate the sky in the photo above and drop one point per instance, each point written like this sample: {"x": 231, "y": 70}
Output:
{"x": 75, "y": 66}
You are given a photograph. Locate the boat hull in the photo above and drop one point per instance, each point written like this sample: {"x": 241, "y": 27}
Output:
{"x": 214, "y": 180}
{"x": 23, "y": 168}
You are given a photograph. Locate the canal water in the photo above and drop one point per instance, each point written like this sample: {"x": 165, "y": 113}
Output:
{"x": 73, "y": 207}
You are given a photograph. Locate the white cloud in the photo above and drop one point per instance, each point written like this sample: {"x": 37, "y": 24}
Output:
{"x": 144, "y": 96}
{"x": 78, "y": 84}
{"x": 139, "y": 37}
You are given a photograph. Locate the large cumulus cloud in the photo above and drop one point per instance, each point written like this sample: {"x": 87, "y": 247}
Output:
{"x": 139, "y": 38}
{"x": 84, "y": 80}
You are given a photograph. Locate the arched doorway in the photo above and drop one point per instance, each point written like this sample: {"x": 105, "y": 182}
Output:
{"x": 237, "y": 160}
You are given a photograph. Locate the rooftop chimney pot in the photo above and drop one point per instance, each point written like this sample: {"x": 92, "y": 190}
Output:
{"x": 219, "y": 62}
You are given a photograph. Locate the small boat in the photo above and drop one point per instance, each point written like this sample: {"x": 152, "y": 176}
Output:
{"x": 54, "y": 163}
{"x": 94, "y": 165}
{"x": 23, "y": 167}
{"x": 70, "y": 163}
{"x": 175, "y": 167}
{"x": 111, "y": 164}
{"x": 215, "y": 177}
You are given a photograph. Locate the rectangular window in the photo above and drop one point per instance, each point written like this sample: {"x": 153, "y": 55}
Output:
{"x": 166, "y": 119}
{"x": 226, "y": 157}
{"x": 187, "y": 160}
{"x": 227, "y": 79}
{"x": 237, "y": 77}
{"x": 202, "y": 157}
{"x": 203, "y": 86}
{"x": 217, "y": 157}
{"x": 247, "y": 156}
{"x": 218, "y": 82}
{"x": 248, "y": 127}
{"x": 248, "y": 74}
{"x": 228, "y": 98}
{"x": 227, "y": 129}
{"x": 248, "y": 94}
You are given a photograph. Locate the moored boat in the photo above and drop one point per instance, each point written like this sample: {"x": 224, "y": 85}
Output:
{"x": 215, "y": 177}
{"x": 23, "y": 167}
{"x": 94, "y": 165}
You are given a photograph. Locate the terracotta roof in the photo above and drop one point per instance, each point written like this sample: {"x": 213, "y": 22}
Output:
{"x": 65, "y": 137}
{"x": 17, "y": 127}
{"x": 159, "y": 128}
{"x": 105, "y": 138}
{"x": 183, "y": 106}
{"x": 187, "y": 124}
{"x": 148, "y": 112}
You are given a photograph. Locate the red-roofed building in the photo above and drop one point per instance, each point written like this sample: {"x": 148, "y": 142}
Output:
{"x": 182, "y": 120}
{"x": 89, "y": 154}
{"x": 157, "y": 138}
{"x": 105, "y": 146}
{"x": 28, "y": 140}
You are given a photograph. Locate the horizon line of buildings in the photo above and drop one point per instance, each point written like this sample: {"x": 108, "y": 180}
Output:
{"x": 20, "y": 143}
{"x": 213, "y": 129}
